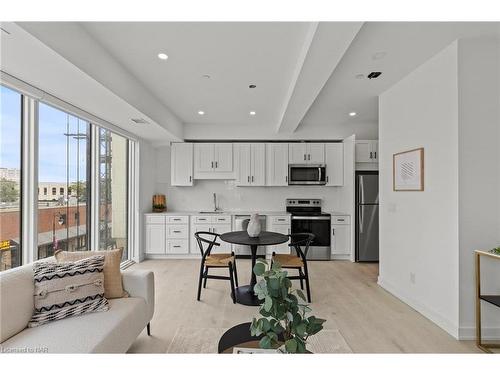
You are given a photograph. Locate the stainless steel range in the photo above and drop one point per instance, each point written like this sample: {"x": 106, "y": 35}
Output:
{"x": 308, "y": 217}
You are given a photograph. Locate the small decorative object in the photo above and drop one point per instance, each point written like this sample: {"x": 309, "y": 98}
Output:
{"x": 283, "y": 312}
{"x": 159, "y": 203}
{"x": 254, "y": 228}
{"x": 496, "y": 250}
{"x": 408, "y": 170}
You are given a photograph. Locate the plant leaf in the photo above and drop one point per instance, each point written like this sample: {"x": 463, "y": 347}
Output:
{"x": 265, "y": 342}
{"x": 259, "y": 269}
{"x": 300, "y": 293}
{"x": 268, "y": 304}
{"x": 291, "y": 346}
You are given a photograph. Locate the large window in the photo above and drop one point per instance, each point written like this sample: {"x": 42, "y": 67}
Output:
{"x": 113, "y": 192}
{"x": 10, "y": 178}
{"x": 63, "y": 166}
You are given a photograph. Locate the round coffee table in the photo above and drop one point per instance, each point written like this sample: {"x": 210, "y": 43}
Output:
{"x": 245, "y": 294}
{"x": 239, "y": 335}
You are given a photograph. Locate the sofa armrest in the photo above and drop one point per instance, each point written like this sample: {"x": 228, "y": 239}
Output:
{"x": 140, "y": 283}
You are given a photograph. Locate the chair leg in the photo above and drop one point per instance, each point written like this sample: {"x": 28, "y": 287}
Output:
{"x": 231, "y": 279}
{"x": 301, "y": 281}
{"x": 199, "y": 282}
{"x": 308, "y": 289}
{"x": 206, "y": 278}
{"x": 235, "y": 274}
{"x": 148, "y": 327}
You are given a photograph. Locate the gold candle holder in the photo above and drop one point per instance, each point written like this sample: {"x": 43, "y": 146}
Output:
{"x": 159, "y": 203}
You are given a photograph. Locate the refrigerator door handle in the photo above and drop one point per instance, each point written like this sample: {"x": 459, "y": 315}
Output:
{"x": 361, "y": 194}
{"x": 360, "y": 218}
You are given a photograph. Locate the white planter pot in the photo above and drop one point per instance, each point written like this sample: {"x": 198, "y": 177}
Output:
{"x": 254, "y": 227}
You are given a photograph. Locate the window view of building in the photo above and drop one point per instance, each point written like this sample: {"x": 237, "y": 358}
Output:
{"x": 113, "y": 195}
{"x": 63, "y": 162}
{"x": 10, "y": 178}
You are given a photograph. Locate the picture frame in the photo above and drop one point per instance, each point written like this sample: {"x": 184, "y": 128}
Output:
{"x": 408, "y": 170}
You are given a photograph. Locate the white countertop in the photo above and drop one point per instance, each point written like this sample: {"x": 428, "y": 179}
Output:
{"x": 228, "y": 212}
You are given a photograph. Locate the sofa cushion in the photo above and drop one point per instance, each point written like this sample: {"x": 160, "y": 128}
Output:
{"x": 113, "y": 287}
{"x": 111, "y": 331}
{"x": 67, "y": 289}
{"x": 16, "y": 296}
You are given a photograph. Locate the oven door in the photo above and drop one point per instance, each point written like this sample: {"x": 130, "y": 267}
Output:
{"x": 306, "y": 174}
{"x": 320, "y": 227}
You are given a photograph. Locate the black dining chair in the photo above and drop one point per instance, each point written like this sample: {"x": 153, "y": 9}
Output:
{"x": 206, "y": 242}
{"x": 299, "y": 242}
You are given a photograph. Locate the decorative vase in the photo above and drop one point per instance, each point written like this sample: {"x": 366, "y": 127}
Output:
{"x": 254, "y": 228}
{"x": 159, "y": 203}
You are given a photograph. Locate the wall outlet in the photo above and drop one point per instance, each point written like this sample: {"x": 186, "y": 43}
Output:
{"x": 412, "y": 277}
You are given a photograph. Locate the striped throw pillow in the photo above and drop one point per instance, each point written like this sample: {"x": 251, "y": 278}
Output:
{"x": 68, "y": 289}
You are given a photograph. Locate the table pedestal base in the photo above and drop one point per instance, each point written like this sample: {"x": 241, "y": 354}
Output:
{"x": 246, "y": 296}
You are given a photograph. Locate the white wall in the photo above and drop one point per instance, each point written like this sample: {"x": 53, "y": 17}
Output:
{"x": 479, "y": 176}
{"x": 231, "y": 197}
{"x": 147, "y": 187}
{"x": 419, "y": 230}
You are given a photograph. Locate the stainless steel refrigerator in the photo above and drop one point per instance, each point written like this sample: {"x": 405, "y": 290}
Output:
{"x": 367, "y": 216}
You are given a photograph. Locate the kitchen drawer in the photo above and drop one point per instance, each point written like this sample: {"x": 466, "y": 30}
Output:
{"x": 177, "y": 231}
{"x": 202, "y": 219}
{"x": 177, "y": 246}
{"x": 155, "y": 219}
{"x": 280, "y": 219}
{"x": 178, "y": 219}
{"x": 341, "y": 220}
{"x": 226, "y": 219}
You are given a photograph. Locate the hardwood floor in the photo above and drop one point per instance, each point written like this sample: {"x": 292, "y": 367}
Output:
{"x": 345, "y": 294}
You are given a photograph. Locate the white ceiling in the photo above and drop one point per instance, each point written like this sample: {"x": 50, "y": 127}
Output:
{"x": 304, "y": 72}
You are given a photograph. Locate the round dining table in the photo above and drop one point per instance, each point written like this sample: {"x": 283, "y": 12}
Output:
{"x": 245, "y": 294}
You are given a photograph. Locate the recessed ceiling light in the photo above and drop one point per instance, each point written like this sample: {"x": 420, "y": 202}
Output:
{"x": 201, "y": 113}
{"x": 162, "y": 56}
{"x": 352, "y": 114}
{"x": 360, "y": 76}
{"x": 252, "y": 86}
{"x": 139, "y": 121}
{"x": 206, "y": 76}
{"x": 252, "y": 113}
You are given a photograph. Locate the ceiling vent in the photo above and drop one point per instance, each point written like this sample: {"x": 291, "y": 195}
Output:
{"x": 373, "y": 75}
{"x": 140, "y": 121}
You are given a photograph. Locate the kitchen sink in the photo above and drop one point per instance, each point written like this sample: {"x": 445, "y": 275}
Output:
{"x": 211, "y": 212}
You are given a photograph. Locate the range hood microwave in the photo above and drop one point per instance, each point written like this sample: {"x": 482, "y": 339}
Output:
{"x": 306, "y": 174}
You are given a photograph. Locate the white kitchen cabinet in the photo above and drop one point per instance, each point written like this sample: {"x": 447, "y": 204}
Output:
{"x": 182, "y": 164}
{"x": 213, "y": 161}
{"x": 178, "y": 246}
{"x": 341, "y": 237}
{"x": 279, "y": 224}
{"x": 306, "y": 153}
{"x": 251, "y": 164}
{"x": 213, "y": 224}
{"x": 276, "y": 164}
{"x": 334, "y": 157}
{"x": 155, "y": 239}
{"x": 366, "y": 151}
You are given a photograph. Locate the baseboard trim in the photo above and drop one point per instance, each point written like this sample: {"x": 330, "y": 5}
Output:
{"x": 424, "y": 310}
{"x": 488, "y": 333}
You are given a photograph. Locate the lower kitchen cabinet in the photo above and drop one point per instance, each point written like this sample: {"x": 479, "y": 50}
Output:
{"x": 214, "y": 224}
{"x": 279, "y": 224}
{"x": 155, "y": 238}
{"x": 341, "y": 237}
{"x": 167, "y": 235}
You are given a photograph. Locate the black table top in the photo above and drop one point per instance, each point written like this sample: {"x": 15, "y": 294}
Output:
{"x": 264, "y": 239}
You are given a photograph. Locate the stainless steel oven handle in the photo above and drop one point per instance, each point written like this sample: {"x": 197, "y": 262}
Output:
{"x": 311, "y": 218}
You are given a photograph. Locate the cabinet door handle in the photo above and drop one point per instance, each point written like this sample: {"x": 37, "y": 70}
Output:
{"x": 308, "y": 156}
{"x": 305, "y": 157}
{"x": 333, "y": 231}
{"x": 212, "y": 165}
{"x": 252, "y": 178}
{"x": 326, "y": 179}
{"x": 190, "y": 178}
{"x": 371, "y": 155}
{"x": 177, "y": 245}
{"x": 177, "y": 231}
{"x": 202, "y": 219}
{"x": 216, "y": 164}
{"x": 286, "y": 178}
{"x": 248, "y": 178}
{"x": 281, "y": 219}
{"x": 375, "y": 153}
{"x": 176, "y": 219}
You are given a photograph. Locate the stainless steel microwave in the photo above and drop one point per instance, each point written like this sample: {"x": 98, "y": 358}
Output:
{"x": 306, "y": 174}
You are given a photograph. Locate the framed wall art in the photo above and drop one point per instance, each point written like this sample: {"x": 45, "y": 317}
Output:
{"x": 408, "y": 170}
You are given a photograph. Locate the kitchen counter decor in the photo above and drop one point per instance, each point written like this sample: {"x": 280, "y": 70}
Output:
{"x": 159, "y": 203}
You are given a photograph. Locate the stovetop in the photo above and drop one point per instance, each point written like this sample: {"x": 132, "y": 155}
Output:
{"x": 305, "y": 207}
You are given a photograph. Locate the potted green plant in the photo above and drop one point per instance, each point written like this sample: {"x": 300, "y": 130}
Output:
{"x": 496, "y": 250}
{"x": 284, "y": 311}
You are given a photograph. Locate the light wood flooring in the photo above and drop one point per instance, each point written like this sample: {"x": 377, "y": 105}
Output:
{"x": 345, "y": 294}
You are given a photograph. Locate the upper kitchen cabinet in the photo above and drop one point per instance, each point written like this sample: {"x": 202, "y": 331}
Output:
{"x": 277, "y": 164}
{"x": 250, "y": 164}
{"x": 334, "y": 155}
{"x": 213, "y": 161}
{"x": 306, "y": 153}
{"x": 182, "y": 164}
{"x": 366, "y": 151}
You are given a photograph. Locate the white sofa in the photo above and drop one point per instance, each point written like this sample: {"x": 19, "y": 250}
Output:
{"x": 112, "y": 331}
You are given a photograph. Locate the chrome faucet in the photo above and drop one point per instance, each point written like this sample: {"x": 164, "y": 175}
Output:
{"x": 215, "y": 203}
